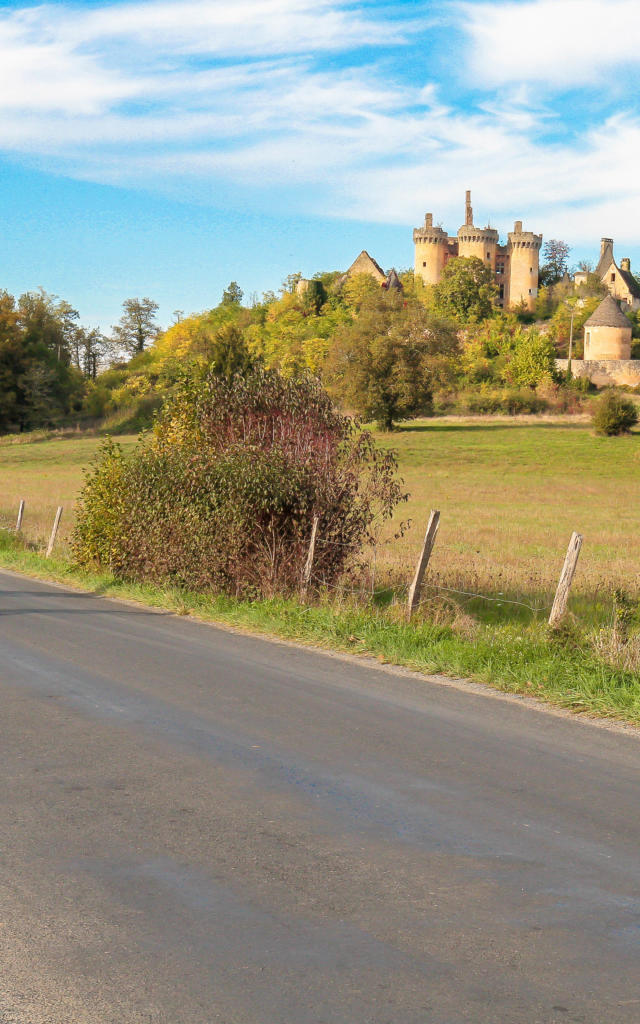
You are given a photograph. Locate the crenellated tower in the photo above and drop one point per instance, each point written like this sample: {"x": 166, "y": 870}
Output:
{"x": 524, "y": 263}
{"x": 431, "y": 250}
{"x": 514, "y": 266}
{"x": 479, "y": 242}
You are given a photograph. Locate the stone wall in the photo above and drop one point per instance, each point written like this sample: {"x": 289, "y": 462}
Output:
{"x": 604, "y": 372}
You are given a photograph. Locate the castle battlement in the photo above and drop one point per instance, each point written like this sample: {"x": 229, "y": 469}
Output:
{"x": 515, "y": 265}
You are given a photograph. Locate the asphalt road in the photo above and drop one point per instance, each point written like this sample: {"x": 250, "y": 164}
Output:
{"x": 200, "y": 826}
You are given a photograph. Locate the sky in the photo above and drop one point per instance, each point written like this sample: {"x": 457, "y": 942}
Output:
{"x": 164, "y": 148}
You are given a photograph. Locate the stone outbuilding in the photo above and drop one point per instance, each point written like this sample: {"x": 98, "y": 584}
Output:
{"x": 365, "y": 264}
{"x": 618, "y": 280}
{"x": 607, "y": 349}
{"x": 607, "y": 333}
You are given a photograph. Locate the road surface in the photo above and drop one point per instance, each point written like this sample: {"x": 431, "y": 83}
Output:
{"x": 198, "y": 826}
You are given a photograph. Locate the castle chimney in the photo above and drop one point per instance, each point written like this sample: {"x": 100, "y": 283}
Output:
{"x": 428, "y": 220}
{"x": 468, "y": 212}
{"x": 606, "y": 246}
{"x": 517, "y": 227}
{"x": 625, "y": 264}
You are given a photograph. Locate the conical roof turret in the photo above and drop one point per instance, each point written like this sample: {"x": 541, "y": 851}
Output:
{"x": 608, "y": 314}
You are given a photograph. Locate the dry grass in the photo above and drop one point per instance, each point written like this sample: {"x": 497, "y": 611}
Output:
{"x": 510, "y": 495}
{"x": 613, "y": 646}
{"x": 47, "y": 472}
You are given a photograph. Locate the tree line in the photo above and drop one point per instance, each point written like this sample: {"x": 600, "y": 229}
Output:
{"x": 383, "y": 354}
{"x": 47, "y": 357}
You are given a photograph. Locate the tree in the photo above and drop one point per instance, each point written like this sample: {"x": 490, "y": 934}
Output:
{"x": 532, "y": 361}
{"x": 385, "y": 364}
{"x": 230, "y": 354}
{"x": 137, "y": 326}
{"x": 290, "y": 283}
{"x": 556, "y": 257}
{"x": 88, "y": 349}
{"x": 12, "y": 366}
{"x": 466, "y": 290}
{"x": 232, "y": 295}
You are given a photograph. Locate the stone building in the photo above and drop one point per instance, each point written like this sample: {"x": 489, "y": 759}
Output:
{"x": 607, "y": 332}
{"x": 365, "y": 264}
{"x": 607, "y": 348}
{"x": 514, "y": 265}
{"x": 619, "y": 281}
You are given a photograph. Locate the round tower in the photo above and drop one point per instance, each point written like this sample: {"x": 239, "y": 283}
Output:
{"x": 431, "y": 248}
{"x": 479, "y": 242}
{"x": 607, "y": 332}
{"x": 524, "y": 262}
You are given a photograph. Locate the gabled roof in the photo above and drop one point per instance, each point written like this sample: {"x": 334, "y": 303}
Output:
{"x": 630, "y": 282}
{"x": 365, "y": 264}
{"x": 393, "y": 282}
{"x": 608, "y": 314}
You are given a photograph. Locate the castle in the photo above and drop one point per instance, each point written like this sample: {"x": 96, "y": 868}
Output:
{"x": 515, "y": 265}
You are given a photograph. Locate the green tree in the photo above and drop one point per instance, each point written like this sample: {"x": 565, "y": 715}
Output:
{"x": 12, "y": 366}
{"x": 290, "y": 283}
{"x": 556, "y": 260}
{"x": 230, "y": 354}
{"x": 385, "y": 364}
{"x": 137, "y": 326}
{"x": 532, "y": 361}
{"x": 232, "y": 295}
{"x": 88, "y": 349}
{"x": 466, "y": 291}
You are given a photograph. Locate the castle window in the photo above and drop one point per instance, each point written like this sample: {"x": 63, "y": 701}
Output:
{"x": 613, "y": 277}
{"x": 531, "y": 270}
{"x": 530, "y": 292}
{"x": 502, "y": 291}
{"x": 424, "y": 263}
{"x": 488, "y": 255}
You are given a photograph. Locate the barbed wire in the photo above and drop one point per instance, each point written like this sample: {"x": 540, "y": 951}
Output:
{"x": 403, "y": 590}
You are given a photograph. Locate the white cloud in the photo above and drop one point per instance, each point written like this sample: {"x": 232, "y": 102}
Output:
{"x": 195, "y": 98}
{"x": 550, "y": 42}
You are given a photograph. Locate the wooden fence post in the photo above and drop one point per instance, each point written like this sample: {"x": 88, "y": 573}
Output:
{"x": 566, "y": 577}
{"x": 306, "y": 575}
{"x": 423, "y": 561}
{"x": 52, "y": 538}
{"x": 20, "y": 515}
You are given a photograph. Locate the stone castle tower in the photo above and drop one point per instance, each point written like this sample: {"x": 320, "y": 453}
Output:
{"x": 514, "y": 266}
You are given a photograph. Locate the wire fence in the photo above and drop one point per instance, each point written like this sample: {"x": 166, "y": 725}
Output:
{"x": 372, "y": 584}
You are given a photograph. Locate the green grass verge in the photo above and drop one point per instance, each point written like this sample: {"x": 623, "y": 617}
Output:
{"x": 561, "y": 670}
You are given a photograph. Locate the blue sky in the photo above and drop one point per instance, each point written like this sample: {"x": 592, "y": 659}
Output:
{"x": 165, "y": 147}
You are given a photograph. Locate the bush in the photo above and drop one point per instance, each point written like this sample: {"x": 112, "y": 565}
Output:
{"x": 613, "y": 414}
{"x": 223, "y": 493}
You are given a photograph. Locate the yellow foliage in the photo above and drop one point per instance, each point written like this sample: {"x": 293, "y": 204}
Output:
{"x": 180, "y": 341}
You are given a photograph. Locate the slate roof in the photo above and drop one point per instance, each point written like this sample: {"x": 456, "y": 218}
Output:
{"x": 606, "y": 259}
{"x": 630, "y": 282}
{"x": 608, "y": 314}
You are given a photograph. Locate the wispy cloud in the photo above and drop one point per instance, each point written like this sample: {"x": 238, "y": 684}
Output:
{"x": 328, "y": 105}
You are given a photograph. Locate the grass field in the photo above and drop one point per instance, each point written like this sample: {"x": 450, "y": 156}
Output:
{"x": 510, "y": 494}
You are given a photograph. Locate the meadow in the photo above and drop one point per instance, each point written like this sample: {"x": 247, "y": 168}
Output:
{"x": 510, "y": 492}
